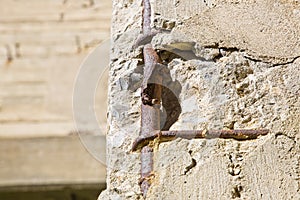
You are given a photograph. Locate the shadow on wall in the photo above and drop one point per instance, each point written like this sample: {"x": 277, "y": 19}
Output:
{"x": 64, "y": 192}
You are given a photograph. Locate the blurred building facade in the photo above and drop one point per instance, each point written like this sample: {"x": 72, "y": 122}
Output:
{"x": 42, "y": 44}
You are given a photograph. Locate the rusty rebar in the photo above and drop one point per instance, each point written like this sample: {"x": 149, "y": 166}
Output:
{"x": 151, "y": 100}
{"x": 163, "y": 136}
{"x": 146, "y": 17}
{"x": 150, "y": 113}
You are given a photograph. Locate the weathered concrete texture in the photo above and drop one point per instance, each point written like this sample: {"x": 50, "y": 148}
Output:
{"x": 267, "y": 30}
{"x": 237, "y": 66}
{"x": 123, "y": 166}
{"x": 234, "y": 92}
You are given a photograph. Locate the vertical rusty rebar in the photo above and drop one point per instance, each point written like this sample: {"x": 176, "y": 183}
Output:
{"x": 150, "y": 112}
{"x": 150, "y": 118}
{"x": 146, "y": 17}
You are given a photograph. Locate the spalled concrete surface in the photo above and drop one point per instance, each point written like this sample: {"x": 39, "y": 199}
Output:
{"x": 236, "y": 67}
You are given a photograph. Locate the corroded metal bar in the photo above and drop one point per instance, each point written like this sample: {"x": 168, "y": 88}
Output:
{"x": 150, "y": 111}
{"x": 163, "y": 136}
{"x": 151, "y": 100}
{"x": 146, "y": 17}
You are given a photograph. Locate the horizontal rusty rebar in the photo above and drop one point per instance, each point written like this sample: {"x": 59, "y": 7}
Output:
{"x": 163, "y": 136}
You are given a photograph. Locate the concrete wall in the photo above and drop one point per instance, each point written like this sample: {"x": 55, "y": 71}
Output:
{"x": 238, "y": 69}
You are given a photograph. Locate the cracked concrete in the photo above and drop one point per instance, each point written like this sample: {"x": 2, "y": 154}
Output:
{"x": 237, "y": 64}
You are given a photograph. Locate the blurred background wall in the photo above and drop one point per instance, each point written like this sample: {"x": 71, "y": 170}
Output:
{"x": 42, "y": 44}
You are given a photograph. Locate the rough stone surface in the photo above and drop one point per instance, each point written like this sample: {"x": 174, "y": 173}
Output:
{"x": 234, "y": 65}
